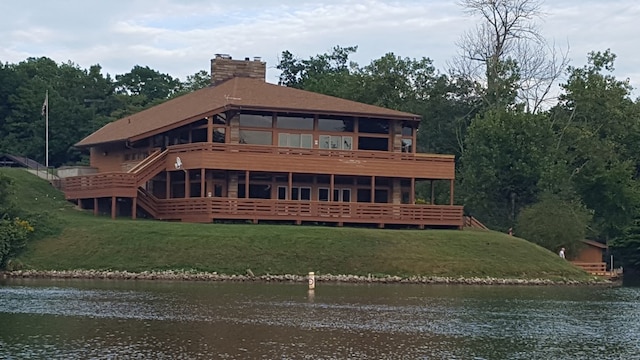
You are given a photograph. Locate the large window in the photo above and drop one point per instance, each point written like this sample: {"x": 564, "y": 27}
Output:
{"x": 373, "y": 143}
{"x": 256, "y": 137}
{"x": 294, "y": 122}
{"x": 297, "y": 193}
{"x": 373, "y": 126}
{"x": 295, "y": 140}
{"x": 336, "y": 142}
{"x": 335, "y": 124}
{"x": 256, "y": 120}
{"x": 339, "y": 195}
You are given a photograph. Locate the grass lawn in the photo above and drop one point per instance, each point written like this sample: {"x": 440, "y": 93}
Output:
{"x": 83, "y": 241}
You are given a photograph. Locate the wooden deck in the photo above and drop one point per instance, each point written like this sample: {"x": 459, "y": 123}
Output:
{"x": 598, "y": 269}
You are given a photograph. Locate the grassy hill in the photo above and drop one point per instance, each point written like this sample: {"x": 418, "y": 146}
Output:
{"x": 80, "y": 240}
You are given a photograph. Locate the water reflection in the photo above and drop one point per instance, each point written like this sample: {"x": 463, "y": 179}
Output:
{"x": 110, "y": 319}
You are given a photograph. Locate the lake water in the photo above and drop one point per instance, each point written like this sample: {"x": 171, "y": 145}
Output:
{"x": 65, "y": 319}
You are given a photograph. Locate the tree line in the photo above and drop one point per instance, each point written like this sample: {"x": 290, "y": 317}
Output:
{"x": 556, "y": 167}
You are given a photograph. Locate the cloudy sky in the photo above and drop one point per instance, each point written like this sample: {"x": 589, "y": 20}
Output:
{"x": 179, "y": 37}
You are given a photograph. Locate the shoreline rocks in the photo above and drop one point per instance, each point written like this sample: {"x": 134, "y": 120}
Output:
{"x": 187, "y": 275}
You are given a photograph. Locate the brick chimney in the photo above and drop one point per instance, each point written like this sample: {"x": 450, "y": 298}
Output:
{"x": 223, "y": 68}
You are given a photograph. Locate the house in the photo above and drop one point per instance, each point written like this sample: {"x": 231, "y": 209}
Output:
{"x": 244, "y": 149}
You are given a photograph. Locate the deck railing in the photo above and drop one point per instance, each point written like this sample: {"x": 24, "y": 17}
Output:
{"x": 275, "y": 150}
{"x": 262, "y": 209}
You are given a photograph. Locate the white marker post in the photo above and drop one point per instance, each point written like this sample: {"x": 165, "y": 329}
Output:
{"x": 312, "y": 280}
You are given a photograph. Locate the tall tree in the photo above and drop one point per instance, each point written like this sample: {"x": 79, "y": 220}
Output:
{"x": 506, "y": 54}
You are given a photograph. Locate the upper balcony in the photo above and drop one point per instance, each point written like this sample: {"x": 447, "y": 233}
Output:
{"x": 311, "y": 161}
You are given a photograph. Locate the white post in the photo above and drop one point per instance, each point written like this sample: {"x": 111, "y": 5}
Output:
{"x": 612, "y": 265}
{"x": 312, "y": 280}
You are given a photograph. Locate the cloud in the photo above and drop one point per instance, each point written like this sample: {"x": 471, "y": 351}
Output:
{"x": 180, "y": 37}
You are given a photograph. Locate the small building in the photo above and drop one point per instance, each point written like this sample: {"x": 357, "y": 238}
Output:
{"x": 590, "y": 257}
{"x": 244, "y": 149}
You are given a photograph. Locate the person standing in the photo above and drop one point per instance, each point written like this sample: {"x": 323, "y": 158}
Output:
{"x": 561, "y": 253}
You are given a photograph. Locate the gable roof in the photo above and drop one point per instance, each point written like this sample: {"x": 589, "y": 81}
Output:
{"x": 236, "y": 93}
{"x": 594, "y": 244}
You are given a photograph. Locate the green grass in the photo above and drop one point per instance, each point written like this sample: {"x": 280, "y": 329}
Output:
{"x": 84, "y": 241}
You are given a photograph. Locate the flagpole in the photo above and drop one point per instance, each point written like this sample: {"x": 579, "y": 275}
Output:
{"x": 46, "y": 122}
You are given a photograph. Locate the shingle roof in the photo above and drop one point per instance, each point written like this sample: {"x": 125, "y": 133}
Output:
{"x": 234, "y": 93}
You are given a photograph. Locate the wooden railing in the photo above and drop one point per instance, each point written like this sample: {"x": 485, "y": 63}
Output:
{"x": 275, "y": 150}
{"x": 208, "y": 209}
{"x": 149, "y": 167}
{"x": 471, "y": 222}
{"x": 148, "y": 202}
{"x": 99, "y": 185}
{"x": 598, "y": 269}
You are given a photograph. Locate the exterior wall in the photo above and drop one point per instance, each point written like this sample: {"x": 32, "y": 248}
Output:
{"x": 590, "y": 254}
{"x": 116, "y": 157}
{"x": 223, "y": 68}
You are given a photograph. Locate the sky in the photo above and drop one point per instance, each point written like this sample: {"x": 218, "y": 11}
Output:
{"x": 179, "y": 37}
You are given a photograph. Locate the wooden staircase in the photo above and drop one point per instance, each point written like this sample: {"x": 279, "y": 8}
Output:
{"x": 473, "y": 223}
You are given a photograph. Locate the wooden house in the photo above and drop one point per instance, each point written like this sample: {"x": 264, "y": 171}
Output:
{"x": 244, "y": 149}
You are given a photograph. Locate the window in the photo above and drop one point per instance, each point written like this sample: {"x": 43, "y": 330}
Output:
{"x": 343, "y": 195}
{"x": 297, "y": 193}
{"x": 407, "y": 145}
{"x": 407, "y": 129}
{"x": 294, "y": 122}
{"x": 323, "y": 194}
{"x": 336, "y": 142}
{"x": 373, "y": 126}
{"x": 335, "y": 124}
{"x": 255, "y": 137}
{"x": 373, "y": 143}
{"x": 255, "y": 120}
{"x": 219, "y": 135}
{"x": 295, "y": 140}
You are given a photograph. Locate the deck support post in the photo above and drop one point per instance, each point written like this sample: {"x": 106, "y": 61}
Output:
{"x": 114, "y": 207}
{"x": 210, "y": 128}
{"x": 433, "y": 194}
{"x": 290, "y": 183}
{"x": 373, "y": 189}
{"x": 95, "y": 207}
{"x": 412, "y": 193}
{"x": 202, "y": 173}
{"x": 167, "y": 194}
{"x": 246, "y": 184}
{"x": 331, "y": 186}
{"x": 134, "y": 207}
{"x": 451, "y": 192}
{"x": 80, "y": 204}
{"x": 187, "y": 185}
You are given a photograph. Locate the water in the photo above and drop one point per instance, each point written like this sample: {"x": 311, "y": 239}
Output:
{"x": 56, "y": 319}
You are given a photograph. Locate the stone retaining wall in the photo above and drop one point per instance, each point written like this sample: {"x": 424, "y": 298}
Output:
{"x": 203, "y": 276}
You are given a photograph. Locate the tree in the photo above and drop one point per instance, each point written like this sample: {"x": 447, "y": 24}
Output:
{"x": 147, "y": 83}
{"x": 505, "y": 155}
{"x": 598, "y": 128}
{"x": 329, "y": 73}
{"x": 197, "y": 81}
{"x": 626, "y": 247}
{"x": 507, "y": 55}
{"x": 553, "y": 223}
